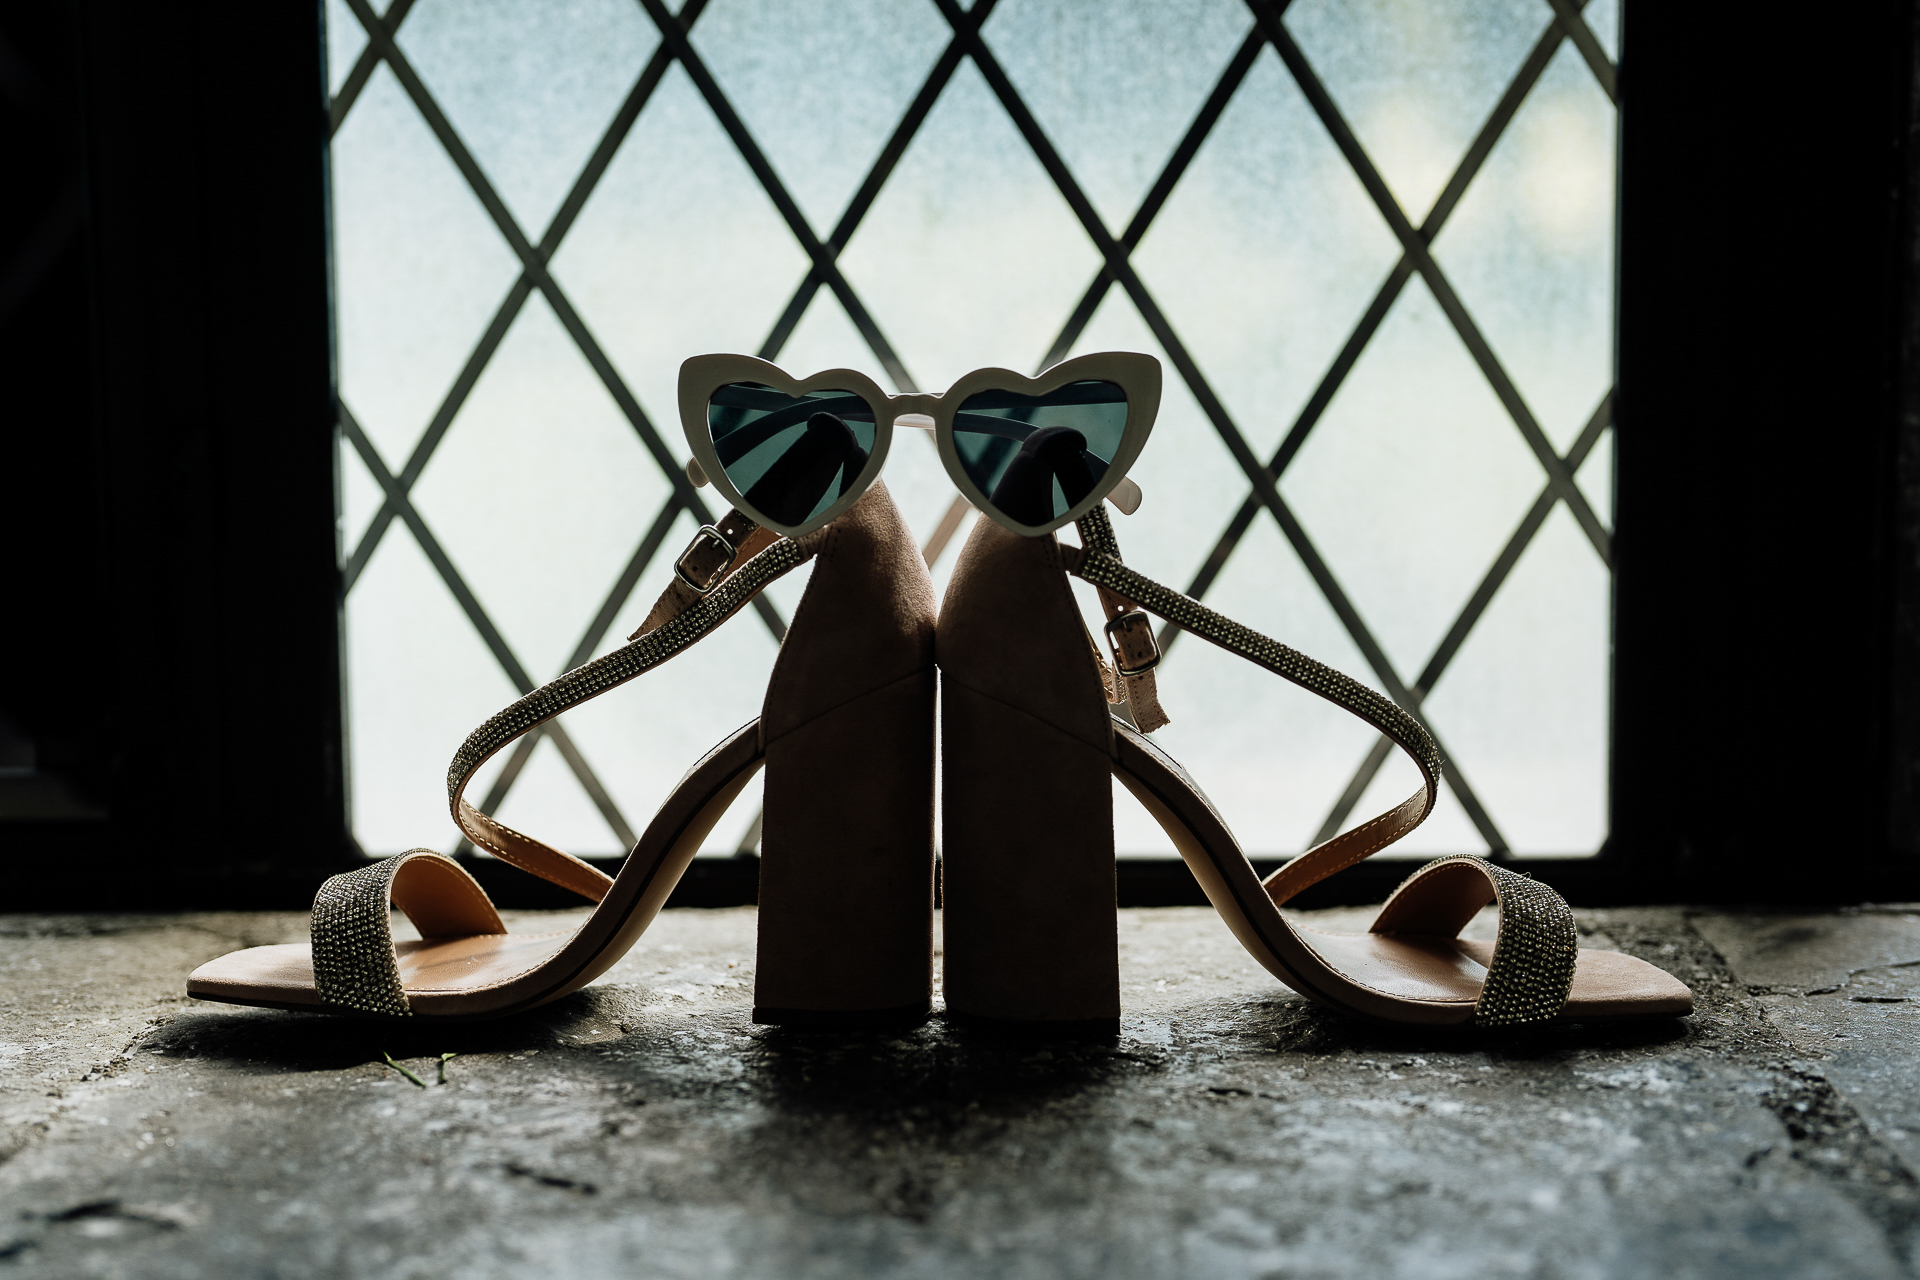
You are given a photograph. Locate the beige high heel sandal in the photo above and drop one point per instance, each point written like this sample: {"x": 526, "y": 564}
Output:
{"x": 1028, "y": 746}
{"x": 846, "y": 890}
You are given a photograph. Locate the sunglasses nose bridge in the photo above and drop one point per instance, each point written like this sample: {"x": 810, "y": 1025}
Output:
{"x": 915, "y": 402}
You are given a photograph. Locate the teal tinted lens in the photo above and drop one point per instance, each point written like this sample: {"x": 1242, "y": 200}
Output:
{"x": 790, "y": 457}
{"x": 1036, "y": 456}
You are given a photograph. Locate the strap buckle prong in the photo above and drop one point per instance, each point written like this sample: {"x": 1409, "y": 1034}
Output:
{"x": 1126, "y": 622}
{"x": 708, "y": 536}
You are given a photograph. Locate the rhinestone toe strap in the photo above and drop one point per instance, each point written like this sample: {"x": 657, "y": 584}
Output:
{"x": 1096, "y": 562}
{"x": 1534, "y": 954}
{"x": 354, "y": 964}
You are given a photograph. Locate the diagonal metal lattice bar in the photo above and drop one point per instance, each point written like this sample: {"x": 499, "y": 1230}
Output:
{"x": 856, "y": 211}
{"x": 589, "y": 641}
{"x": 869, "y": 190}
{"x": 533, "y": 275}
{"x": 489, "y": 634}
{"x": 1568, "y": 12}
{"x": 1210, "y": 404}
{"x": 509, "y": 309}
{"x": 532, "y": 263}
{"x": 363, "y": 68}
{"x": 1156, "y": 198}
{"x": 1436, "y": 281}
{"x": 1456, "y": 636}
{"x": 824, "y": 264}
{"x": 1309, "y": 417}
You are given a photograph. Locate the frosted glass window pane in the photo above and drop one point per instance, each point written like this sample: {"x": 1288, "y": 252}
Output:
{"x": 515, "y": 419}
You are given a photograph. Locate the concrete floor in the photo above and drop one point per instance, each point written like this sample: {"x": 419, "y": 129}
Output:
{"x": 646, "y": 1127}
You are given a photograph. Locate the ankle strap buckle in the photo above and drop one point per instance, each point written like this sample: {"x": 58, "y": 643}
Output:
{"x": 1124, "y": 634}
{"x": 705, "y": 561}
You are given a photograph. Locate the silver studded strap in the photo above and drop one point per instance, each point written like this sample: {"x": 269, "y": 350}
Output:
{"x": 355, "y": 966}
{"x": 353, "y": 960}
{"x": 700, "y": 616}
{"x": 1533, "y": 958}
{"x": 1096, "y": 562}
{"x": 681, "y": 618}
{"x": 1534, "y": 953}
{"x": 1136, "y": 652}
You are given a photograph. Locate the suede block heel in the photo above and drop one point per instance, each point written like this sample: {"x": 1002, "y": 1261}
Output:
{"x": 1030, "y": 924}
{"x": 846, "y": 868}
{"x": 846, "y": 881}
{"x": 1029, "y": 880}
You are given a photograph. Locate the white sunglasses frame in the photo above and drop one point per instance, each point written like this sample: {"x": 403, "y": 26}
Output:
{"x": 1135, "y": 373}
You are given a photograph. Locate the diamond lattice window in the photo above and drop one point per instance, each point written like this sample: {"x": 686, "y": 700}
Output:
{"x": 1370, "y": 240}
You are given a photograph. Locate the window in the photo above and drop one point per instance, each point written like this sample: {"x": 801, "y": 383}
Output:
{"x": 1371, "y": 241}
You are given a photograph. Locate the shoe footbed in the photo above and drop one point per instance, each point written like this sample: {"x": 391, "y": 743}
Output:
{"x": 1434, "y": 980}
{"x": 1606, "y": 984}
{"x": 1386, "y": 977}
{"x": 283, "y": 975}
{"x": 489, "y": 975}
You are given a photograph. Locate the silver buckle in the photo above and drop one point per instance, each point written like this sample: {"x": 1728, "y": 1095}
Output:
{"x": 1127, "y": 620}
{"x": 728, "y": 551}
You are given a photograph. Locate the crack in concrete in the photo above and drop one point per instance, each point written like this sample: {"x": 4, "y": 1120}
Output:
{"x": 1827, "y": 1133}
{"x": 1831, "y": 1138}
{"x": 550, "y": 1180}
{"x": 109, "y": 1213}
{"x": 1847, "y": 981}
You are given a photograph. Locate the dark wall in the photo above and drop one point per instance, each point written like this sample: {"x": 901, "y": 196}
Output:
{"x": 1765, "y": 232}
{"x": 1904, "y": 772}
{"x": 53, "y": 451}
{"x": 171, "y": 437}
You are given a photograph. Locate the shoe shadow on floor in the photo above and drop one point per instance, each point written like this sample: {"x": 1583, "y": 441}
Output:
{"x": 897, "y": 1125}
{"x": 937, "y": 1067}
{"x": 321, "y": 1042}
{"x": 867, "y": 1071}
{"x": 1294, "y": 1026}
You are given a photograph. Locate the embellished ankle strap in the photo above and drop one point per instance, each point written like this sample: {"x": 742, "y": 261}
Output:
{"x": 354, "y": 960}
{"x": 681, "y": 617}
{"x": 1097, "y": 561}
{"x": 1129, "y": 634}
{"x": 1531, "y": 969}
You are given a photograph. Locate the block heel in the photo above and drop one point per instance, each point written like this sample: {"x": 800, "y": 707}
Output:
{"x": 1029, "y": 923}
{"x": 846, "y": 738}
{"x": 846, "y": 865}
{"x": 1029, "y": 881}
{"x": 846, "y": 879}
{"x": 1029, "y": 917}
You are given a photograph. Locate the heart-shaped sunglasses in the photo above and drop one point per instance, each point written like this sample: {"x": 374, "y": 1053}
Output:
{"x": 1033, "y": 453}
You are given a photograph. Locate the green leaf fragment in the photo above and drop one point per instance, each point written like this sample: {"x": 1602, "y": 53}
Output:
{"x": 403, "y": 1071}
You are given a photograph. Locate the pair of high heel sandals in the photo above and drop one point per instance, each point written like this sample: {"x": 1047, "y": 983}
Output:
{"x": 1030, "y": 742}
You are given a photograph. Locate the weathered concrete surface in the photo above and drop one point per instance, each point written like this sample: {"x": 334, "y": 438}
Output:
{"x": 1845, "y": 989}
{"x": 646, "y": 1127}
